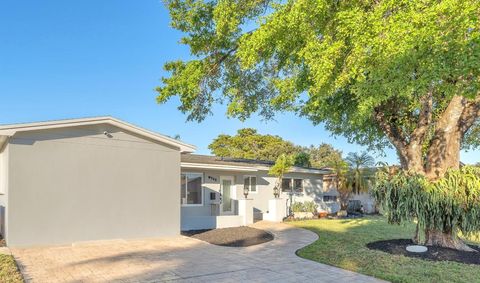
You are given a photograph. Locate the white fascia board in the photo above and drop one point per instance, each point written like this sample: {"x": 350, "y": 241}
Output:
{"x": 298, "y": 170}
{"x": 3, "y": 141}
{"x": 217, "y": 167}
{"x": 10, "y": 130}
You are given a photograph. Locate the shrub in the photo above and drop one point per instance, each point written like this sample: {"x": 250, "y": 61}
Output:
{"x": 308, "y": 206}
{"x": 298, "y": 207}
{"x": 450, "y": 204}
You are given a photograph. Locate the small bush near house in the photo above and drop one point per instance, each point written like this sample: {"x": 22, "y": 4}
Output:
{"x": 8, "y": 270}
{"x": 307, "y": 206}
{"x": 310, "y": 206}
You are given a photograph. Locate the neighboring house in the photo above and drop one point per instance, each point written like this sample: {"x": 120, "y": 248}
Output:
{"x": 101, "y": 178}
{"x": 87, "y": 179}
{"x": 212, "y": 186}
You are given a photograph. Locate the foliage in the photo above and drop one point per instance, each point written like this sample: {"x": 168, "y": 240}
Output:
{"x": 307, "y": 206}
{"x": 302, "y": 159}
{"x": 342, "y": 243}
{"x": 323, "y": 155}
{"x": 363, "y": 68}
{"x": 361, "y": 171}
{"x": 450, "y": 204}
{"x": 249, "y": 144}
{"x": 283, "y": 163}
{"x": 341, "y": 171}
{"x": 8, "y": 270}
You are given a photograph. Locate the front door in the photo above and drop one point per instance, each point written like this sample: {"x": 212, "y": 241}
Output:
{"x": 226, "y": 189}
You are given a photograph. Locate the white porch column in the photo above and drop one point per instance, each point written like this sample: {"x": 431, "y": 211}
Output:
{"x": 245, "y": 209}
{"x": 277, "y": 210}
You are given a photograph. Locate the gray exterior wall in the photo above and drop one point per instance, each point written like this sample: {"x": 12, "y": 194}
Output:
{"x": 77, "y": 184}
{"x": 313, "y": 191}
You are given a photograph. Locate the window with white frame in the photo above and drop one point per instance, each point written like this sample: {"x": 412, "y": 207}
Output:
{"x": 191, "y": 189}
{"x": 286, "y": 185}
{"x": 250, "y": 183}
{"x": 298, "y": 185}
{"x": 292, "y": 185}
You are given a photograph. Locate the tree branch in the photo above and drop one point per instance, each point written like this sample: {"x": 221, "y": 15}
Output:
{"x": 424, "y": 120}
{"x": 393, "y": 133}
{"x": 470, "y": 114}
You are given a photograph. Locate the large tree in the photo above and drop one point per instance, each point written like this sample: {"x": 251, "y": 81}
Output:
{"x": 248, "y": 143}
{"x": 323, "y": 155}
{"x": 382, "y": 73}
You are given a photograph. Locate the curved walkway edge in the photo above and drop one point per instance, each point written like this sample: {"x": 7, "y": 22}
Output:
{"x": 290, "y": 239}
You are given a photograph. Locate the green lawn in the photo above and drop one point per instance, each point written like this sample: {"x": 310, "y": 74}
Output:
{"x": 8, "y": 270}
{"x": 342, "y": 243}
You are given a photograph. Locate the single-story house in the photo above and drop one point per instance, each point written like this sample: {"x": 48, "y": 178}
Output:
{"x": 212, "y": 186}
{"x": 101, "y": 178}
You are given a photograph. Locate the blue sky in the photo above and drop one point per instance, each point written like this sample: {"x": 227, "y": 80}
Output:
{"x": 81, "y": 58}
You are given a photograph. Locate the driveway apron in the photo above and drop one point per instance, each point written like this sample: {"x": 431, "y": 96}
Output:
{"x": 182, "y": 259}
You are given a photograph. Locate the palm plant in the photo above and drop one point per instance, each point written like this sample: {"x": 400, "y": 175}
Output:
{"x": 360, "y": 170}
{"x": 340, "y": 169}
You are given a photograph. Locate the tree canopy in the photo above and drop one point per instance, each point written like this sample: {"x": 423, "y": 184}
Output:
{"x": 249, "y": 144}
{"x": 378, "y": 72}
{"x": 323, "y": 155}
{"x": 401, "y": 73}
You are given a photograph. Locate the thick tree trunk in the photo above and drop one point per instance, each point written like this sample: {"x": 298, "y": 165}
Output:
{"x": 443, "y": 149}
{"x": 445, "y": 239}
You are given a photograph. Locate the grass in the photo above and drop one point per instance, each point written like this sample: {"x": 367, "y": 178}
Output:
{"x": 342, "y": 243}
{"x": 8, "y": 270}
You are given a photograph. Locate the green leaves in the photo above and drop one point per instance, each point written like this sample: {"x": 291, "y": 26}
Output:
{"x": 249, "y": 144}
{"x": 450, "y": 204}
{"x": 283, "y": 163}
{"x": 334, "y": 62}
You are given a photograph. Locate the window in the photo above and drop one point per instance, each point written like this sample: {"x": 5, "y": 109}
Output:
{"x": 288, "y": 184}
{"x": 298, "y": 185}
{"x": 191, "y": 189}
{"x": 250, "y": 182}
{"x": 330, "y": 198}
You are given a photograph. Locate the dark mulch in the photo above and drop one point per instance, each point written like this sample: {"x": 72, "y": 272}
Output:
{"x": 398, "y": 247}
{"x": 232, "y": 237}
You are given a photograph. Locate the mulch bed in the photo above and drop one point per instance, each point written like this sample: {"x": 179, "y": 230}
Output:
{"x": 398, "y": 247}
{"x": 232, "y": 237}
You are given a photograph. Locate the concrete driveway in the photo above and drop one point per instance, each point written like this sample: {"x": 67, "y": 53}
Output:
{"x": 182, "y": 259}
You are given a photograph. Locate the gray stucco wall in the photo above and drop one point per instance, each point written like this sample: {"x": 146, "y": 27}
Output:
{"x": 77, "y": 184}
{"x": 313, "y": 190}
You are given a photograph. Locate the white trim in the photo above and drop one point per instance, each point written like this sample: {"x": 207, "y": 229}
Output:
{"x": 256, "y": 184}
{"x": 292, "y": 184}
{"x": 224, "y": 167}
{"x": 297, "y": 170}
{"x": 233, "y": 191}
{"x": 186, "y": 188}
{"x": 218, "y": 167}
{"x": 10, "y": 130}
{"x": 3, "y": 170}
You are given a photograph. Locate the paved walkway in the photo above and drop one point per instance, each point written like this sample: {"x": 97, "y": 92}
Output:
{"x": 182, "y": 259}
